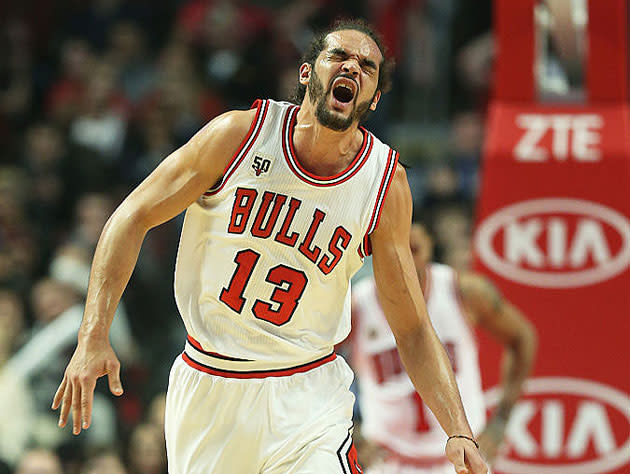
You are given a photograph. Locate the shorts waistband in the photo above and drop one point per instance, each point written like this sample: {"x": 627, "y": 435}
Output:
{"x": 231, "y": 367}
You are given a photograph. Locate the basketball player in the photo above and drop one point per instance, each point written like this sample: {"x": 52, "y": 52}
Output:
{"x": 394, "y": 416}
{"x": 283, "y": 202}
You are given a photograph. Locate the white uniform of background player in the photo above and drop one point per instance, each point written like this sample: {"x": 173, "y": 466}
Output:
{"x": 394, "y": 416}
{"x": 392, "y": 412}
{"x": 253, "y": 282}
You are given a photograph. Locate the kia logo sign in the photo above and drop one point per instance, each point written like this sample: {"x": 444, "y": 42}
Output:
{"x": 566, "y": 426}
{"x": 555, "y": 242}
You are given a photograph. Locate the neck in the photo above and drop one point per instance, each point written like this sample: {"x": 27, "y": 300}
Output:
{"x": 321, "y": 150}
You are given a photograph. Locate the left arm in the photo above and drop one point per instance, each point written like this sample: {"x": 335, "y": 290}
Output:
{"x": 507, "y": 325}
{"x": 420, "y": 350}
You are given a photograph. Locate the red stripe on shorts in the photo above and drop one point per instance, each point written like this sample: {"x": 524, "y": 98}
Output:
{"x": 257, "y": 374}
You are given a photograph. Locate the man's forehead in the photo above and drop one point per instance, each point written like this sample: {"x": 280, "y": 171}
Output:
{"x": 354, "y": 41}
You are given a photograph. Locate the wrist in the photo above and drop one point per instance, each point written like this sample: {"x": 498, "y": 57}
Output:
{"x": 92, "y": 336}
{"x": 469, "y": 438}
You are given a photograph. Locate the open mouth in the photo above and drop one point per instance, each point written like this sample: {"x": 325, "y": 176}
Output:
{"x": 344, "y": 90}
{"x": 343, "y": 93}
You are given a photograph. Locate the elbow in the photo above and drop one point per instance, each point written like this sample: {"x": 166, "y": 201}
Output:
{"x": 531, "y": 338}
{"x": 130, "y": 220}
{"x": 525, "y": 345}
{"x": 410, "y": 339}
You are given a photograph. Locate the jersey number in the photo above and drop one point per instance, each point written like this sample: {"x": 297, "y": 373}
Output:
{"x": 289, "y": 286}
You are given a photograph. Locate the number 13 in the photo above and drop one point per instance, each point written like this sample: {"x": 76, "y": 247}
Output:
{"x": 287, "y": 298}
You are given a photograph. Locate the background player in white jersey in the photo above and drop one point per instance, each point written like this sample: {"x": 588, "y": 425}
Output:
{"x": 282, "y": 204}
{"x": 394, "y": 416}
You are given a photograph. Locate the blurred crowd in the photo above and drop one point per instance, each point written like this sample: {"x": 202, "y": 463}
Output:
{"x": 94, "y": 94}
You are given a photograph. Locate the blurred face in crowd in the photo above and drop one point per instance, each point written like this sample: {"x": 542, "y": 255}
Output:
{"x": 421, "y": 247}
{"x": 50, "y": 298}
{"x": 44, "y": 147}
{"x": 93, "y": 210}
{"x": 147, "y": 451}
{"x": 108, "y": 463}
{"x": 452, "y": 226}
{"x": 343, "y": 83}
{"x": 39, "y": 461}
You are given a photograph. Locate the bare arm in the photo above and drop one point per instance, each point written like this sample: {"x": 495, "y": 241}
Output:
{"x": 173, "y": 186}
{"x": 420, "y": 350}
{"x": 505, "y": 323}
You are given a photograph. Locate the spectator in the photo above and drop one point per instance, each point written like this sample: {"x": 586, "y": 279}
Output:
{"x": 39, "y": 461}
{"x": 16, "y": 419}
{"x": 66, "y": 93}
{"x": 147, "y": 450}
{"x": 107, "y": 462}
{"x": 128, "y": 55}
{"x": 58, "y": 311}
{"x": 101, "y": 125}
{"x": 18, "y": 249}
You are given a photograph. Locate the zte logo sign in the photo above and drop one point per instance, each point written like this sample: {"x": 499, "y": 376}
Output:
{"x": 559, "y": 137}
{"x": 555, "y": 243}
{"x": 566, "y": 426}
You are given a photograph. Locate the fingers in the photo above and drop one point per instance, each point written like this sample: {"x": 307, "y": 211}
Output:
{"x": 76, "y": 395}
{"x": 59, "y": 395}
{"x": 459, "y": 463}
{"x": 87, "y": 397}
{"x": 475, "y": 461}
{"x": 76, "y": 408}
{"x": 113, "y": 376}
{"x": 66, "y": 403}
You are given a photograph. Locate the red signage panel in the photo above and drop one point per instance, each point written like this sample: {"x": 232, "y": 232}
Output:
{"x": 553, "y": 230}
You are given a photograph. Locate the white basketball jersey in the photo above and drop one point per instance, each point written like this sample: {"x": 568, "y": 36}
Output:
{"x": 393, "y": 413}
{"x": 266, "y": 255}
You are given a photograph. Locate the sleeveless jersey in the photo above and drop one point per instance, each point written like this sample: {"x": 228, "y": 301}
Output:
{"x": 266, "y": 255}
{"x": 393, "y": 413}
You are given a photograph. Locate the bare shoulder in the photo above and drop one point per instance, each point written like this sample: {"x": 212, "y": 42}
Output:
{"x": 222, "y": 136}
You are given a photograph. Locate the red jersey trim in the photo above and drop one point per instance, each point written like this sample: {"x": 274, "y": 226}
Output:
{"x": 245, "y": 146}
{"x": 257, "y": 374}
{"x": 348, "y": 458}
{"x": 308, "y": 177}
{"x": 386, "y": 181}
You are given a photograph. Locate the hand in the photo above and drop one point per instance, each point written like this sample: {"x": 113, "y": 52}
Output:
{"x": 90, "y": 361}
{"x": 465, "y": 456}
{"x": 491, "y": 438}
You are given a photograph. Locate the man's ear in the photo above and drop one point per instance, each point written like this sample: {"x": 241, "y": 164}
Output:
{"x": 305, "y": 73}
{"x": 377, "y": 97}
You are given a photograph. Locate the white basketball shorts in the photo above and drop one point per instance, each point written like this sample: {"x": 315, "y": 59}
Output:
{"x": 295, "y": 420}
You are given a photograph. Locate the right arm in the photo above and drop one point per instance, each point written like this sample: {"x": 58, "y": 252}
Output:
{"x": 173, "y": 186}
{"x": 507, "y": 325}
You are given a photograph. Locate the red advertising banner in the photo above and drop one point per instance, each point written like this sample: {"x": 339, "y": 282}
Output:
{"x": 553, "y": 231}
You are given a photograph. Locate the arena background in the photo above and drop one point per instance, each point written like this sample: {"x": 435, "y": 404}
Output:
{"x": 93, "y": 94}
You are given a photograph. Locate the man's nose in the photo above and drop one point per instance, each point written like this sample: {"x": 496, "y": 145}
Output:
{"x": 351, "y": 66}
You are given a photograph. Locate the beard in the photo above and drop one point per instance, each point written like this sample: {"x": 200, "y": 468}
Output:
{"x": 326, "y": 117}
